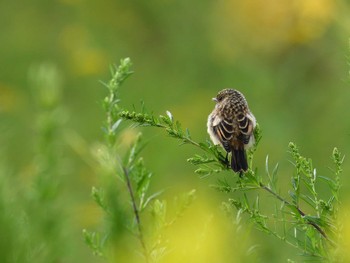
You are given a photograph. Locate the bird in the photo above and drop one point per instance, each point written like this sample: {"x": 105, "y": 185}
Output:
{"x": 231, "y": 124}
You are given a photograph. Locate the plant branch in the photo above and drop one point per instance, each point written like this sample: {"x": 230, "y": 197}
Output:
{"x": 313, "y": 239}
{"x": 136, "y": 212}
{"x": 174, "y": 130}
{"x": 317, "y": 227}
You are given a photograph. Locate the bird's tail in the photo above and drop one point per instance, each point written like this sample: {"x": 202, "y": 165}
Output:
{"x": 239, "y": 160}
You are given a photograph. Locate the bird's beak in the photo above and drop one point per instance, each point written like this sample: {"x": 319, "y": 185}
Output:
{"x": 214, "y": 99}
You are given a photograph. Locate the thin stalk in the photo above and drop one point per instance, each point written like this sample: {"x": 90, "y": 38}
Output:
{"x": 136, "y": 213}
{"x": 188, "y": 140}
{"x": 317, "y": 227}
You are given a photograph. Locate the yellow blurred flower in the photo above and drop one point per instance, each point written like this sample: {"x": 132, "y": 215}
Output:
{"x": 342, "y": 251}
{"x": 312, "y": 19}
{"x": 204, "y": 234}
{"x": 269, "y": 24}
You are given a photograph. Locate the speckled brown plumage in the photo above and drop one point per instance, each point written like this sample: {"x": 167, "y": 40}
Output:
{"x": 231, "y": 124}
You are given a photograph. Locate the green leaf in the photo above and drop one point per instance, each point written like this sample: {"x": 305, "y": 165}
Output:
{"x": 274, "y": 177}
{"x": 237, "y": 204}
{"x": 184, "y": 201}
{"x": 188, "y": 135}
{"x": 116, "y": 125}
{"x": 267, "y": 166}
{"x": 143, "y": 183}
{"x": 206, "y": 171}
{"x": 149, "y": 199}
{"x": 198, "y": 159}
{"x": 293, "y": 196}
{"x": 330, "y": 181}
{"x": 308, "y": 200}
{"x": 158, "y": 212}
{"x": 134, "y": 151}
{"x": 99, "y": 197}
{"x": 92, "y": 239}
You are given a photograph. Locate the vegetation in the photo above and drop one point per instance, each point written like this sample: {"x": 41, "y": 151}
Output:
{"x": 78, "y": 156}
{"x": 314, "y": 233}
{"x": 130, "y": 172}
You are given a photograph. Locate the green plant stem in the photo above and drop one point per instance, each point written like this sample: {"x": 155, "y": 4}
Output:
{"x": 136, "y": 213}
{"x": 317, "y": 227}
{"x": 185, "y": 139}
{"x": 174, "y": 130}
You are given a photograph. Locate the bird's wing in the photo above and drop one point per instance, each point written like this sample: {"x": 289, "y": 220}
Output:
{"x": 224, "y": 131}
{"x": 245, "y": 125}
{"x": 227, "y": 129}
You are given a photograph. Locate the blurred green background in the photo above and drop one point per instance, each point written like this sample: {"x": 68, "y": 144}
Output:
{"x": 289, "y": 58}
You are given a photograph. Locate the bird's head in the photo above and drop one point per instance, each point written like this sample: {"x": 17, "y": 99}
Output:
{"x": 222, "y": 95}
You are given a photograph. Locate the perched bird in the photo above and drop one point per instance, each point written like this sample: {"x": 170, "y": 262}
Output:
{"x": 232, "y": 124}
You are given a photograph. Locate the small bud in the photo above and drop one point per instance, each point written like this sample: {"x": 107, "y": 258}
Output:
{"x": 116, "y": 125}
{"x": 169, "y": 115}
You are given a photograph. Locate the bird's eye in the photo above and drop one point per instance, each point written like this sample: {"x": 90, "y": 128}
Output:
{"x": 219, "y": 98}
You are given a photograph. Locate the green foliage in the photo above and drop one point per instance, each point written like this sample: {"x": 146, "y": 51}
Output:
{"x": 309, "y": 232}
{"x": 135, "y": 179}
{"x": 289, "y": 61}
{"x": 312, "y": 233}
{"x": 93, "y": 240}
{"x": 31, "y": 216}
{"x": 214, "y": 164}
{"x": 110, "y": 103}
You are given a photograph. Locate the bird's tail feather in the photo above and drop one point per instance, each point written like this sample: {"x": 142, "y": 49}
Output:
{"x": 239, "y": 160}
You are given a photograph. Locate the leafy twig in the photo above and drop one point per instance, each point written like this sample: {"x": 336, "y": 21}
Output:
{"x": 131, "y": 170}
{"x": 317, "y": 227}
{"x": 214, "y": 161}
